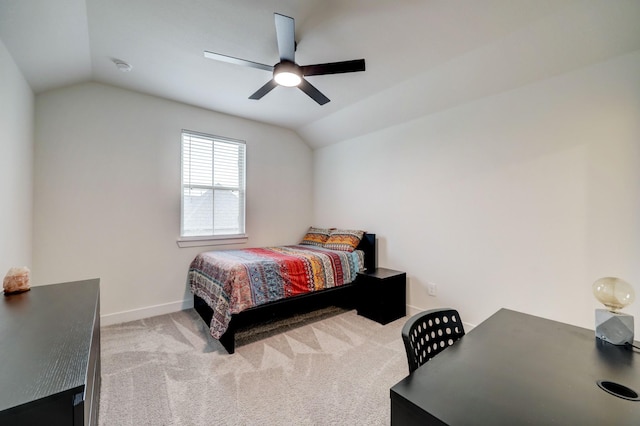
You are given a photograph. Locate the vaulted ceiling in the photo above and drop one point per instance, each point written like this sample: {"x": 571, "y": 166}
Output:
{"x": 422, "y": 56}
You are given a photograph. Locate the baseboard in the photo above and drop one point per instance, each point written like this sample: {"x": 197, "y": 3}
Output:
{"x": 167, "y": 308}
{"x": 146, "y": 312}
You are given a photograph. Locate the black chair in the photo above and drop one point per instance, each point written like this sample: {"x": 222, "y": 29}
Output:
{"x": 428, "y": 333}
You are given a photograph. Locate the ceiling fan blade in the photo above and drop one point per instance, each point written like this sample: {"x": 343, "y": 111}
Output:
{"x": 313, "y": 93}
{"x": 237, "y": 61}
{"x": 333, "y": 67}
{"x": 269, "y": 86}
{"x": 286, "y": 34}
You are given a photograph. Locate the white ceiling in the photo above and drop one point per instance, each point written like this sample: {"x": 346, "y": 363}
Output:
{"x": 422, "y": 56}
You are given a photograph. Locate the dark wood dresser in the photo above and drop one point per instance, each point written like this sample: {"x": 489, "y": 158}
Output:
{"x": 50, "y": 355}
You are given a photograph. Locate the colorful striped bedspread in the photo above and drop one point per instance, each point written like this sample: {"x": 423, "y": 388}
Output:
{"x": 230, "y": 281}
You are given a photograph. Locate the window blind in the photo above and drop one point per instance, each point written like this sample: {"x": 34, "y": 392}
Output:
{"x": 213, "y": 186}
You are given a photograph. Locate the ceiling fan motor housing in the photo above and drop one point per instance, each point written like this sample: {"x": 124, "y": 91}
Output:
{"x": 287, "y": 73}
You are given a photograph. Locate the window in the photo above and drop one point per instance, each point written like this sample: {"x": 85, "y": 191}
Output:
{"x": 213, "y": 187}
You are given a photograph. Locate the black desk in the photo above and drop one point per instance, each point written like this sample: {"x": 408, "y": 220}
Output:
{"x": 518, "y": 369}
{"x": 50, "y": 355}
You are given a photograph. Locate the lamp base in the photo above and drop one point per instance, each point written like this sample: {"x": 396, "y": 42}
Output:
{"x": 615, "y": 328}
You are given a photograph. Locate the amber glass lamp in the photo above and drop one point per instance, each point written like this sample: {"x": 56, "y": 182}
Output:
{"x": 611, "y": 325}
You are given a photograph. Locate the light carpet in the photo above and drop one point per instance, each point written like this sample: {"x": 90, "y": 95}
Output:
{"x": 331, "y": 367}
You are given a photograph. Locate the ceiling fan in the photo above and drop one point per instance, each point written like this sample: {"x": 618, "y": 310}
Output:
{"x": 287, "y": 72}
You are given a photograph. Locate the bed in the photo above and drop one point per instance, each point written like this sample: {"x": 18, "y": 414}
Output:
{"x": 233, "y": 289}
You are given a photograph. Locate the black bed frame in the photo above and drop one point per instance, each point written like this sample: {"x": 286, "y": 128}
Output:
{"x": 343, "y": 296}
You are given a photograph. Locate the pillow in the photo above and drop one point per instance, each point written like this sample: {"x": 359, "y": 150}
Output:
{"x": 316, "y": 236}
{"x": 343, "y": 239}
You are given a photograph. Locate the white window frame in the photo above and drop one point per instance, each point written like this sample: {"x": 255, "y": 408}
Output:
{"x": 213, "y": 239}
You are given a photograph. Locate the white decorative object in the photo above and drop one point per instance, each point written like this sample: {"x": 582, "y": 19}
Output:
{"x": 613, "y": 326}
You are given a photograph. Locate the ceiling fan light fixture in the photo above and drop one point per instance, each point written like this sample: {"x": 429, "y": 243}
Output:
{"x": 287, "y": 79}
{"x": 287, "y": 74}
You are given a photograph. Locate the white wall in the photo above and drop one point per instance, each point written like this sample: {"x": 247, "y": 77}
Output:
{"x": 107, "y": 193}
{"x": 518, "y": 200}
{"x": 16, "y": 165}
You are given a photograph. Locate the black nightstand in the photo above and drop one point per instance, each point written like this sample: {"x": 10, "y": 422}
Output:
{"x": 381, "y": 295}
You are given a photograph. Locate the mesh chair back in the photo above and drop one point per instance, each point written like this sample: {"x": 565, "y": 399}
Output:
{"x": 428, "y": 333}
